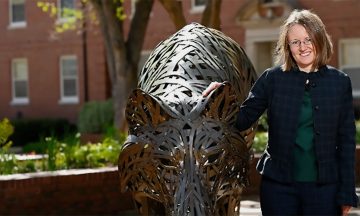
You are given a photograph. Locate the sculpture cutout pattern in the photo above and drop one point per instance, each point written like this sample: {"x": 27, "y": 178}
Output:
{"x": 182, "y": 155}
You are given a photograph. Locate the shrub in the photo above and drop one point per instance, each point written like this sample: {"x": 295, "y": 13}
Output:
{"x": 70, "y": 154}
{"x": 96, "y": 116}
{"x": 7, "y": 160}
{"x": 32, "y": 130}
{"x": 6, "y": 129}
{"x": 261, "y": 138}
{"x": 357, "y": 112}
{"x": 263, "y": 123}
{"x": 260, "y": 142}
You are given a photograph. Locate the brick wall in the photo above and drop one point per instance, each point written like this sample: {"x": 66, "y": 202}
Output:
{"x": 43, "y": 48}
{"x": 70, "y": 192}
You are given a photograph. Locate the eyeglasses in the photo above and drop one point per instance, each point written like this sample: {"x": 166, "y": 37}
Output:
{"x": 297, "y": 43}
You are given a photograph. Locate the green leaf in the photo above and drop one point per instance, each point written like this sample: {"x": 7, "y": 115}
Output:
{"x": 6, "y": 129}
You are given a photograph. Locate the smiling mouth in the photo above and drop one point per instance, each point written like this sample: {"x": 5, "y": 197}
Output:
{"x": 305, "y": 54}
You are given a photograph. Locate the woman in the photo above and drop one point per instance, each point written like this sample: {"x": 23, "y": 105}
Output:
{"x": 308, "y": 165}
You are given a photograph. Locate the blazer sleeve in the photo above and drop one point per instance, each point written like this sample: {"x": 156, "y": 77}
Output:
{"x": 346, "y": 149}
{"x": 255, "y": 104}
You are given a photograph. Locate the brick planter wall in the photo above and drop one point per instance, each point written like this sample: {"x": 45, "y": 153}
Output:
{"x": 83, "y": 192}
{"x": 71, "y": 192}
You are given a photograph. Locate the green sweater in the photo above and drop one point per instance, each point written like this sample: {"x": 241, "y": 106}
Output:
{"x": 305, "y": 168}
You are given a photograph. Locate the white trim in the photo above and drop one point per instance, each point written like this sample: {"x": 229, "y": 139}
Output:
{"x": 20, "y": 101}
{"x": 253, "y": 36}
{"x": 196, "y": 9}
{"x": 53, "y": 174}
{"x": 356, "y": 93}
{"x": 340, "y": 44}
{"x": 68, "y": 99}
{"x": 343, "y": 66}
{"x": 18, "y": 24}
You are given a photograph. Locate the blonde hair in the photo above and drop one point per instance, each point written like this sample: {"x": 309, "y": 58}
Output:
{"x": 317, "y": 32}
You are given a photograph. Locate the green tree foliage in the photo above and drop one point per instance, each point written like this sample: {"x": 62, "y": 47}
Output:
{"x": 72, "y": 18}
{"x": 6, "y": 129}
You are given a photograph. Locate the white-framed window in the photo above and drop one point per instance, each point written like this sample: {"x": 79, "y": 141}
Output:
{"x": 349, "y": 60}
{"x": 69, "y": 79}
{"x": 65, "y": 9}
{"x": 20, "y": 81}
{"x": 198, "y": 6}
{"x": 259, "y": 47}
{"x": 17, "y": 14}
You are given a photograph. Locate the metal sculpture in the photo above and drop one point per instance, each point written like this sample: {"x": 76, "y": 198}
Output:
{"x": 182, "y": 155}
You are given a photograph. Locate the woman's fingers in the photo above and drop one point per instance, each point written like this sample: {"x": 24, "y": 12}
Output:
{"x": 345, "y": 210}
{"x": 210, "y": 88}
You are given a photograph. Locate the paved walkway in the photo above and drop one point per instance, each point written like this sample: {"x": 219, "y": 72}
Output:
{"x": 250, "y": 206}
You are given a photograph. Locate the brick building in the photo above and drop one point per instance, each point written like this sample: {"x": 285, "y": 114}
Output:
{"x": 42, "y": 74}
{"x": 45, "y": 75}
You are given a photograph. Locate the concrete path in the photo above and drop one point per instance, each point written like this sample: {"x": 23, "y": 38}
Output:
{"x": 250, "y": 206}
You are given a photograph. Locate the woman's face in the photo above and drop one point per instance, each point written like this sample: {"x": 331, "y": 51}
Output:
{"x": 301, "y": 47}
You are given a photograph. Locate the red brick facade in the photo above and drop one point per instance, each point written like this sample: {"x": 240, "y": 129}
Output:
{"x": 42, "y": 50}
{"x": 37, "y": 43}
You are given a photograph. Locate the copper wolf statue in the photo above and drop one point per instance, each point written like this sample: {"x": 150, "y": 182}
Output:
{"x": 182, "y": 155}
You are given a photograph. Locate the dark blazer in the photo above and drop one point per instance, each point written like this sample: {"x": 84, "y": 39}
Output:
{"x": 281, "y": 93}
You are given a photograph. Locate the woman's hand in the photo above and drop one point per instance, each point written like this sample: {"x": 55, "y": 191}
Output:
{"x": 210, "y": 88}
{"x": 345, "y": 210}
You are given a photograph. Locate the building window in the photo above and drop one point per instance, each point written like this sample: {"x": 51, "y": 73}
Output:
{"x": 69, "y": 79}
{"x": 17, "y": 13}
{"x": 349, "y": 62}
{"x": 66, "y": 9}
{"x": 198, "y": 6}
{"x": 259, "y": 47}
{"x": 19, "y": 72}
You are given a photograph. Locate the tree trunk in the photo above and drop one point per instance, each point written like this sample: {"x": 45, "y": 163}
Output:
{"x": 121, "y": 91}
{"x": 175, "y": 11}
{"x": 211, "y": 15}
{"x": 122, "y": 56}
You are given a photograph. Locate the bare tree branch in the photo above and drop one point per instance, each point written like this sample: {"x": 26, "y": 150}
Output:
{"x": 138, "y": 29}
{"x": 112, "y": 29}
{"x": 211, "y": 15}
